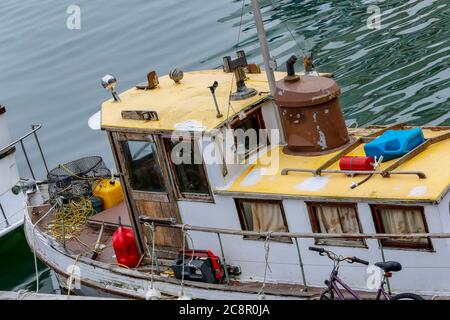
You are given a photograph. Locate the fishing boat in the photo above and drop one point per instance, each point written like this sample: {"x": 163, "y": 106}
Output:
{"x": 16, "y": 193}
{"x": 199, "y": 208}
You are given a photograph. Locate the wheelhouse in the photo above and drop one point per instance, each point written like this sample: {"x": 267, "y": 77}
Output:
{"x": 250, "y": 194}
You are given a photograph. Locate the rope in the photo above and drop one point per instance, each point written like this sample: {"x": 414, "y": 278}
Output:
{"x": 267, "y": 266}
{"x": 289, "y": 30}
{"x": 182, "y": 265}
{"x": 73, "y": 174}
{"x": 185, "y": 235}
{"x": 34, "y": 244}
{"x": 95, "y": 180}
{"x": 230, "y": 106}
{"x": 152, "y": 232}
{"x": 73, "y": 216}
{"x": 71, "y": 275}
{"x": 22, "y": 294}
{"x": 240, "y": 25}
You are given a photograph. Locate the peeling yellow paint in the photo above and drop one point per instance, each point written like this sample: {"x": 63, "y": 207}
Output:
{"x": 434, "y": 162}
{"x": 190, "y": 100}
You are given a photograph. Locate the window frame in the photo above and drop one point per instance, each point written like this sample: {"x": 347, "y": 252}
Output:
{"x": 315, "y": 225}
{"x": 244, "y": 224}
{"x": 392, "y": 243}
{"x": 157, "y": 196}
{"x": 186, "y": 196}
{"x": 262, "y": 126}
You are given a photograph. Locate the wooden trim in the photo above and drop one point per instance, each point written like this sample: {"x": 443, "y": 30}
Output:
{"x": 248, "y": 114}
{"x": 339, "y": 155}
{"x": 392, "y": 243}
{"x": 150, "y": 196}
{"x": 158, "y": 196}
{"x": 315, "y": 225}
{"x": 262, "y": 126}
{"x": 263, "y": 196}
{"x": 125, "y": 136}
{"x": 134, "y": 218}
{"x": 244, "y": 223}
{"x": 135, "y": 196}
{"x": 174, "y": 177}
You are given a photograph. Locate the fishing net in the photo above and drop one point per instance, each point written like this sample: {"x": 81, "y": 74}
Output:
{"x": 77, "y": 178}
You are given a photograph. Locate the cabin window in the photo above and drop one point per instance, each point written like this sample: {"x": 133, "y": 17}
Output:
{"x": 251, "y": 140}
{"x": 187, "y": 169}
{"x": 399, "y": 220}
{"x": 335, "y": 218}
{"x": 143, "y": 166}
{"x": 262, "y": 216}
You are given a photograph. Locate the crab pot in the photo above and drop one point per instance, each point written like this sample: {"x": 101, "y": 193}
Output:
{"x": 311, "y": 115}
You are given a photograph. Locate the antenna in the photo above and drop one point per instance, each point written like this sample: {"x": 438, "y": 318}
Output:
{"x": 267, "y": 60}
{"x": 263, "y": 45}
{"x": 213, "y": 88}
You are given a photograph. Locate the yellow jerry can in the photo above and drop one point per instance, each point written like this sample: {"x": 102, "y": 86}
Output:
{"x": 110, "y": 191}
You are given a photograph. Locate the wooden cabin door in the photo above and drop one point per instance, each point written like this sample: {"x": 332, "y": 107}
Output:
{"x": 144, "y": 166}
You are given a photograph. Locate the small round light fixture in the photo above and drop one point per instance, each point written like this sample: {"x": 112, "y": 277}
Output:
{"x": 109, "y": 82}
{"x": 176, "y": 75}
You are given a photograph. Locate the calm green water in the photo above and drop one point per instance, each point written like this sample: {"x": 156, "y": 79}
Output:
{"x": 51, "y": 75}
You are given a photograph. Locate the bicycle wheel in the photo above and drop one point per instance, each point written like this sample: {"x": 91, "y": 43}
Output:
{"x": 327, "y": 295}
{"x": 407, "y": 296}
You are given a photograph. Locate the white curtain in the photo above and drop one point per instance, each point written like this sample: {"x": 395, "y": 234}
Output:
{"x": 338, "y": 220}
{"x": 403, "y": 221}
{"x": 267, "y": 217}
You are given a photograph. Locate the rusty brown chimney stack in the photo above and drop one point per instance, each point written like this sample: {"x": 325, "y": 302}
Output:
{"x": 310, "y": 112}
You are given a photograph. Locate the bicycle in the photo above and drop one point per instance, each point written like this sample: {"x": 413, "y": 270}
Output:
{"x": 333, "y": 292}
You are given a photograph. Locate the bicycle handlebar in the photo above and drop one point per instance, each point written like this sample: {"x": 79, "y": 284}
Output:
{"x": 335, "y": 257}
{"x": 319, "y": 250}
{"x": 358, "y": 260}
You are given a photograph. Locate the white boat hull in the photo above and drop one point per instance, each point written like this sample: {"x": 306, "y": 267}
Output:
{"x": 92, "y": 278}
{"x": 11, "y": 228}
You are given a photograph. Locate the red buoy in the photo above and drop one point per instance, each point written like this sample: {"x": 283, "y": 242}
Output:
{"x": 356, "y": 163}
{"x": 125, "y": 248}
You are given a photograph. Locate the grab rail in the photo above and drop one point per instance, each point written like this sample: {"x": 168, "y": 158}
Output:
{"x": 34, "y": 129}
{"x": 169, "y": 224}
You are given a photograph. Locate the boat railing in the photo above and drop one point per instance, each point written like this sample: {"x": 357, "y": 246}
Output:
{"x": 10, "y": 148}
{"x": 170, "y": 223}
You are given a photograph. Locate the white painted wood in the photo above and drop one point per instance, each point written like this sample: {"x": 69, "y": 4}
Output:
{"x": 14, "y": 206}
{"x": 9, "y": 295}
{"x": 113, "y": 281}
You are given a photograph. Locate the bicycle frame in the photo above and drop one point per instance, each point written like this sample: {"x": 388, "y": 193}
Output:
{"x": 334, "y": 280}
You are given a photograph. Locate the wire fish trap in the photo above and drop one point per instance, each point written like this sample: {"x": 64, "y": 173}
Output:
{"x": 77, "y": 178}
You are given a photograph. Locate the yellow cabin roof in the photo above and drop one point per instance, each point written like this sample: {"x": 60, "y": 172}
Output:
{"x": 184, "y": 105}
{"x": 433, "y": 161}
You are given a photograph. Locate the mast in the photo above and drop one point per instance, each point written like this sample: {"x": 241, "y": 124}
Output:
{"x": 266, "y": 57}
{"x": 263, "y": 45}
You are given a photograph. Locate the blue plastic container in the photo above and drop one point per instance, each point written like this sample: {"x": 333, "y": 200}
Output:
{"x": 394, "y": 143}
{"x": 97, "y": 204}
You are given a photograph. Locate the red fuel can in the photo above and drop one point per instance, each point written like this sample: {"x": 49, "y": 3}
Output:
{"x": 358, "y": 163}
{"x": 125, "y": 248}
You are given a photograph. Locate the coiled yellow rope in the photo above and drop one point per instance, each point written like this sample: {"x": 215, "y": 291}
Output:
{"x": 73, "y": 215}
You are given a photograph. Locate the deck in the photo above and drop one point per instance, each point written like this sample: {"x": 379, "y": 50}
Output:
{"x": 85, "y": 242}
{"x": 83, "y": 246}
